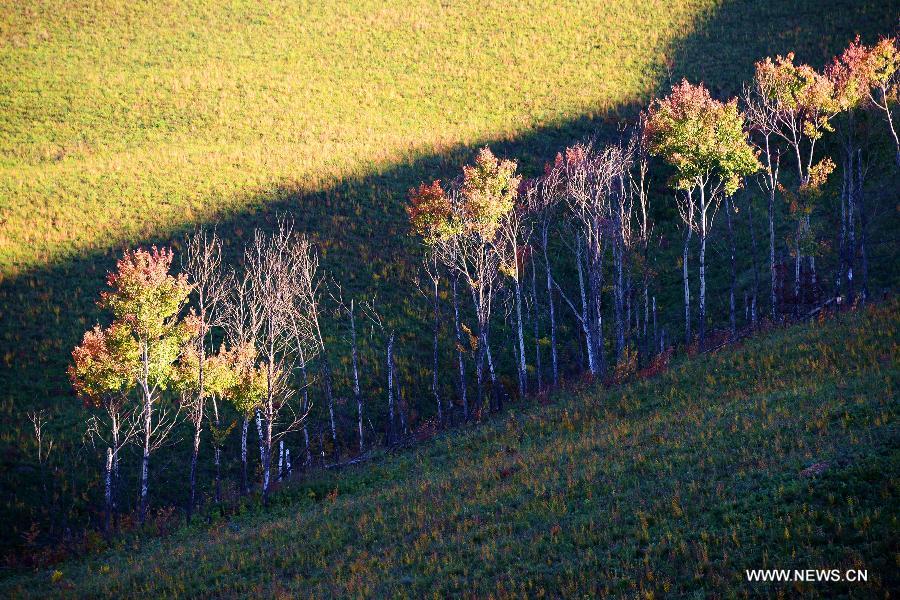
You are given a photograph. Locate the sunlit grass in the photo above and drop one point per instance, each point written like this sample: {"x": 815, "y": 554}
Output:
{"x": 120, "y": 121}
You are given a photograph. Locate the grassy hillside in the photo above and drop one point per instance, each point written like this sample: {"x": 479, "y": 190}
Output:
{"x": 667, "y": 486}
{"x": 126, "y": 123}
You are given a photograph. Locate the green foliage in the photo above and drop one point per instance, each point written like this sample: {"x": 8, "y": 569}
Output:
{"x": 805, "y": 98}
{"x": 147, "y": 301}
{"x": 489, "y": 192}
{"x": 700, "y": 137}
{"x": 105, "y": 364}
{"x": 246, "y": 382}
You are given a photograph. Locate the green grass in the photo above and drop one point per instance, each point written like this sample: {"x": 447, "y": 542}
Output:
{"x": 665, "y": 487}
{"x": 126, "y": 123}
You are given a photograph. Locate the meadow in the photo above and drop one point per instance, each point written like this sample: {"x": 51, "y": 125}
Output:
{"x": 125, "y": 124}
{"x": 781, "y": 452}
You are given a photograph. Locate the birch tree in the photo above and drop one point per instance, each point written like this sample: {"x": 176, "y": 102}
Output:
{"x": 280, "y": 266}
{"x": 705, "y": 141}
{"x": 543, "y": 197}
{"x": 462, "y": 226}
{"x": 103, "y": 374}
{"x": 802, "y": 102}
{"x": 148, "y": 301}
{"x": 202, "y": 265}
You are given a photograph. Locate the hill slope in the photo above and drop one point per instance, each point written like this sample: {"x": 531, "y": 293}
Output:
{"x": 125, "y": 125}
{"x": 669, "y": 484}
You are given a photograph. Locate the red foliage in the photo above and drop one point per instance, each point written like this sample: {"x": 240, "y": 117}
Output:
{"x": 428, "y": 208}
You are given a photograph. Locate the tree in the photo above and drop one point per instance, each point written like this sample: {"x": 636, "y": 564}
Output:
{"x": 242, "y": 323}
{"x": 146, "y": 302}
{"x": 462, "y": 228}
{"x": 863, "y": 78}
{"x": 591, "y": 177}
{"x": 705, "y": 141}
{"x": 761, "y": 112}
{"x": 514, "y": 229}
{"x": 280, "y": 267}
{"x": 802, "y": 102}
{"x": 543, "y": 197}
{"x": 103, "y": 374}
{"x": 202, "y": 264}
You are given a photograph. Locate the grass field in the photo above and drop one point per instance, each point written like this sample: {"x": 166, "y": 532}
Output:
{"x": 127, "y": 123}
{"x": 666, "y": 487}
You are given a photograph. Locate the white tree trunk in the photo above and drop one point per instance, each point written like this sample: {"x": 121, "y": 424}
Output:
{"x": 552, "y": 310}
{"x": 520, "y": 330}
{"x": 459, "y": 352}
{"x": 245, "y": 485}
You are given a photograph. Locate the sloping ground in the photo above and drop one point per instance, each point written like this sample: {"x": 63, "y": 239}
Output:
{"x": 123, "y": 125}
{"x": 781, "y": 453}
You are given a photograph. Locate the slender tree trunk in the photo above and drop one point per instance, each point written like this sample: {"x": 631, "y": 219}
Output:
{"x": 851, "y": 228}
{"x": 797, "y": 262}
{"x": 552, "y": 309}
{"x": 656, "y": 341}
{"x": 280, "y": 460}
{"x": 863, "y": 223}
{"x": 842, "y": 240}
{"x": 459, "y": 352}
{"x": 753, "y": 259}
{"x": 217, "y": 451}
{"x": 687, "y": 289}
{"x": 356, "y": 390}
{"x": 108, "y": 489}
{"x": 731, "y": 314}
{"x": 703, "y": 208}
{"x": 195, "y": 452}
{"x": 245, "y": 484}
{"x": 522, "y": 368}
{"x": 434, "y": 351}
{"x": 596, "y": 321}
{"x": 390, "y": 390}
{"x": 329, "y": 397}
{"x": 772, "y": 269}
{"x": 267, "y": 457}
{"x": 308, "y": 463}
{"x": 114, "y": 480}
{"x": 145, "y": 458}
{"x": 479, "y": 374}
{"x": 305, "y": 382}
{"x": 496, "y": 391}
{"x": 585, "y": 315}
{"x": 647, "y": 348}
{"x": 619, "y": 296}
{"x": 262, "y": 443}
{"x": 537, "y": 339}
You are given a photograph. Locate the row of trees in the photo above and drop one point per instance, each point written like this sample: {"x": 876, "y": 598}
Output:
{"x": 217, "y": 340}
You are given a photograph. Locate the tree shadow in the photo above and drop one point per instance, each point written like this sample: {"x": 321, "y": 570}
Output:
{"x": 361, "y": 226}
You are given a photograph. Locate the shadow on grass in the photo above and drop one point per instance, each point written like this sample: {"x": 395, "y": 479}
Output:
{"x": 363, "y": 234}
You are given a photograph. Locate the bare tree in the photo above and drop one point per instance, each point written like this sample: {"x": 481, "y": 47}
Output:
{"x": 210, "y": 284}
{"x": 388, "y": 333}
{"x": 543, "y": 197}
{"x": 597, "y": 200}
{"x": 310, "y": 283}
{"x": 281, "y": 267}
{"x": 761, "y": 113}
{"x": 350, "y": 311}
{"x": 432, "y": 272}
{"x": 513, "y": 232}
